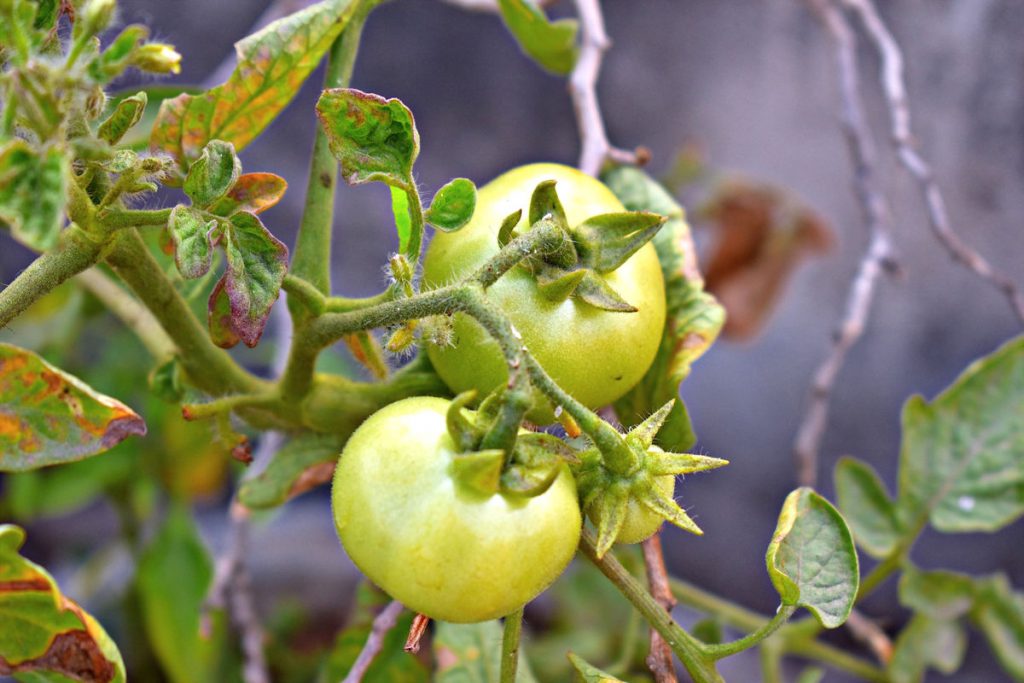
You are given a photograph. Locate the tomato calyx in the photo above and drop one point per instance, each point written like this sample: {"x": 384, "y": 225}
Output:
{"x": 526, "y": 464}
{"x": 597, "y": 246}
{"x": 606, "y": 495}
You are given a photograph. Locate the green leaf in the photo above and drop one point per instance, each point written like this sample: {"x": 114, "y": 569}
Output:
{"x": 453, "y": 205}
{"x": 272, "y": 65}
{"x": 938, "y": 594}
{"x": 403, "y": 223}
{"x": 304, "y": 461}
{"x": 127, "y": 112}
{"x": 927, "y": 643}
{"x": 190, "y": 233}
{"x": 257, "y": 263}
{"x": 32, "y": 188}
{"x": 373, "y": 138}
{"x": 49, "y": 417}
{"x": 174, "y": 576}
{"x": 551, "y": 44}
{"x": 962, "y": 460}
{"x": 693, "y": 317}
{"x": 811, "y": 674}
{"x": 137, "y": 138}
{"x": 471, "y": 653}
{"x": 213, "y": 173}
{"x": 218, "y": 318}
{"x": 999, "y": 614}
{"x": 253, "y": 192}
{"x": 867, "y": 507}
{"x": 393, "y": 664}
{"x": 811, "y": 559}
{"x": 588, "y": 673}
{"x": 42, "y": 633}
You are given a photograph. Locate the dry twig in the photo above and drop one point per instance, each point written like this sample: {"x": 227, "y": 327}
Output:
{"x": 879, "y": 254}
{"x": 659, "y": 660}
{"x": 895, "y": 90}
{"x": 382, "y": 623}
{"x": 416, "y": 631}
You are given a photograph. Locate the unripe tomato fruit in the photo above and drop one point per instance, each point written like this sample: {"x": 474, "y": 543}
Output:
{"x": 437, "y": 545}
{"x": 595, "y": 355}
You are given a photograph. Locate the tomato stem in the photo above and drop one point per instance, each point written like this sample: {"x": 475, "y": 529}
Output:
{"x": 510, "y": 646}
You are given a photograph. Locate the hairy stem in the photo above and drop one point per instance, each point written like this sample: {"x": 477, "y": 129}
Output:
{"x": 510, "y": 646}
{"x": 748, "y": 641}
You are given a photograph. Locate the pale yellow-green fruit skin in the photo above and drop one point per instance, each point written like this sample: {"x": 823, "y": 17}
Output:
{"x": 439, "y": 547}
{"x": 640, "y": 522}
{"x": 600, "y": 368}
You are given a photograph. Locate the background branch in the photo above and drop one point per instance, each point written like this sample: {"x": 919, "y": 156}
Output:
{"x": 382, "y": 623}
{"x": 659, "y": 660}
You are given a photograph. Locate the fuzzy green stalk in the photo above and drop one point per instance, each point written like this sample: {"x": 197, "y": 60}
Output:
{"x": 510, "y": 646}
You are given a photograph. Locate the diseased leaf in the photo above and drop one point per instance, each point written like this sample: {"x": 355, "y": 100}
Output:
{"x": 137, "y": 138}
{"x": 373, "y": 138}
{"x": 940, "y": 595}
{"x": 127, "y": 112}
{"x": 302, "y": 463}
{"x": 32, "y": 188}
{"x": 218, "y": 317}
{"x": 999, "y": 614}
{"x": 453, "y": 205}
{"x": 552, "y": 44}
{"x": 811, "y": 559}
{"x": 253, "y": 192}
{"x": 927, "y": 643}
{"x": 48, "y": 416}
{"x": 257, "y": 263}
{"x": 471, "y": 653}
{"x": 962, "y": 460}
{"x": 272, "y": 65}
{"x": 867, "y": 507}
{"x": 693, "y": 317}
{"x": 190, "y": 233}
{"x": 213, "y": 173}
{"x": 393, "y": 664}
{"x": 43, "y": 634}
{"x": 588, "y": 673}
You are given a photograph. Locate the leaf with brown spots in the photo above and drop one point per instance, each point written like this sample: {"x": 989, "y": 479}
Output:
{"x": 48, "y": 417}
{"x": 43, "y": 631}
{"x": 253, "y": 192}
{"x": 272, "y": 65}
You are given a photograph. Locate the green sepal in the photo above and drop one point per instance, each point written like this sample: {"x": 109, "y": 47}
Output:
{"x": 669, "y": 510}
{"x": 606, "y": 241}
{"x": 556, "y": 284}
{"x": 505, "y": 234}
{"x": 480, "y": 470}
{"x": 535, "y": 464}
{"x": 643, "y": 434}
{"x": 596, "y": 291}
{"x": 126, "y": 114}
{"x": 612, "y": 513}
{"x": 532, "y": 444}
{"x": 462, "y": 431}
{"x": 544, "y": 203}
{"x": 663, "y": 462}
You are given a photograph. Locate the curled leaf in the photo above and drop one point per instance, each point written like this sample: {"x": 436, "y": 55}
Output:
{"x": 453, "y": 205}
{"x": 213, "y": 173}
{"x": 190, "y": 233}
{"x": 257, "y": 263}
{"x": 127, "y": 112}
{"x": 252, "y": 192}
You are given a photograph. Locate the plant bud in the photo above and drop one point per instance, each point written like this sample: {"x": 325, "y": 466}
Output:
{"x": 159, "y": 58}
{"x": 401, "y": 269}
{"x": 97, "y": 16}
{"x": 402, "y": 338}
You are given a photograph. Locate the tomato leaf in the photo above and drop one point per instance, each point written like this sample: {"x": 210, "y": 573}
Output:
{"x": 272, "y": 65}
{"x": 373, "y": 138}
{"x": 213, "y": 173}
{"x": 190, "y": 233}
{"x": 867, "y": 507}
{"x": 257, "y": 263}
{"x": 961, "y": 464}
{"x": 811, "y": 559}
{"x": 471, "y": 653}
{"x": 253, "y": 192}
{"x": 927, "y": 643}
{"x": 42, "y": 632}
{"x": 48, "y": 416}
{"x": 305, "y": 461}
{"x": 941, "y": 595}
{"x": 693, "y": 317}
{"x": 588, "y": 673}
{"x": 222, "y": 332}
{"x": 127, "y": 112}
{"x": 32, "y": 187}
{"x": 551, "y": 44}
{"x": 999, "y": 614}
{"x": 453, "y": 205}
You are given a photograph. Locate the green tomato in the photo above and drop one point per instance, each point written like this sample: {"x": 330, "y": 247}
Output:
{"x": 434, "y": 544}
{"x": 595, "y": 355}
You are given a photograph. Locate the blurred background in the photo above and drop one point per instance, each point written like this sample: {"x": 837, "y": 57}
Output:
{"x": 719, "y": 91}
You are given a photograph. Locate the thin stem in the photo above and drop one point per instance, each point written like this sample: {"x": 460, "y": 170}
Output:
{"x": 74, "y": 253}
{"x": 226, "y": 404}
{"x": 129, "y": 311}
{"x": 304, "y": 293}
{"x": 689, "y": 650}
{"x": 128, "y": 218}
{"x": 382, "y": 623}
{"x": 725, "y": 649}
{"x": 882, "y": 571}
{"x": 311, "y": 259}
{"x": 510, "y": 646}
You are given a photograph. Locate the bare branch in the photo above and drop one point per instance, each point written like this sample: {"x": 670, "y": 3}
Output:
{"x": 879, "y": 254}
{"x": 894, "y": 87}
{"x": 382, "y": 623}
{"x": 595, "y": 147}
{"x": 868, "y": 632}
{"x": 659, "y": 660}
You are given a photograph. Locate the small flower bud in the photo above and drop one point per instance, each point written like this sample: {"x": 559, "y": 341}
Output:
{"x": 401, "y": 269}
{"x": 157, "y": 58}
{"x": 97, "y": 16}
{"x": 402, "y": 338}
